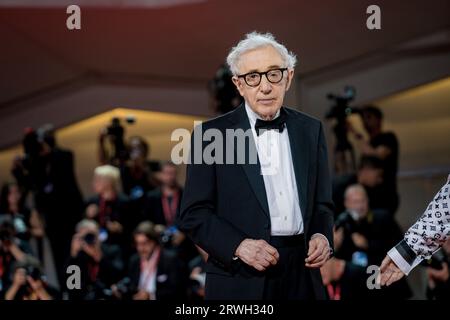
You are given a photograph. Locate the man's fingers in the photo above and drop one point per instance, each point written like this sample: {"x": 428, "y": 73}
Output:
{"x": 319, "y": 261}
{"x": 266, "y": 259}
{"x": 312, "y": 247}
{"x": 316, "y": 253}
{"x": 267, "y": 247}
{"x": 316, "y": 264}
{"x": 259, "y": 267}
{"x": 385, "y": 277}
{"x": 395, "y": 277}
{"x": 270, "y": 258}
{"x": 385, "y": 263}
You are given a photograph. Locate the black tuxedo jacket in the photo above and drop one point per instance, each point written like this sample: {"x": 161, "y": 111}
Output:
{"x": 223, "y": 204}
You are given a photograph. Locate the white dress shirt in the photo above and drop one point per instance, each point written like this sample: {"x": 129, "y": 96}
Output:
{"x": 274, "y": 153}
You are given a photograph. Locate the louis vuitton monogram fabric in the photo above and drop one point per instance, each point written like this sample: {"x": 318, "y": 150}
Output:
{"x": 427, "y": 234}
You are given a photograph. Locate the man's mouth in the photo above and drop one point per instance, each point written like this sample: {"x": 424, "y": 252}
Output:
{"x": 266, "y": 100}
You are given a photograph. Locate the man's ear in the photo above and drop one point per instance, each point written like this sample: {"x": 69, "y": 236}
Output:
{"x": 289, "y": 78}
{"x": 238, "y": 85}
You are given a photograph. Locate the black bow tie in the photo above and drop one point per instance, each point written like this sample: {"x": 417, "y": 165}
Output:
{"x": 275, "y": 124}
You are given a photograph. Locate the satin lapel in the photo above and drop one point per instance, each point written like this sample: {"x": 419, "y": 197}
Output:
{"x": 252, "y": 171}
{"x": 300, "y": 149}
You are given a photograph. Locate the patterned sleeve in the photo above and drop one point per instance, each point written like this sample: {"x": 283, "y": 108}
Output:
{"x": 427, "y": 235}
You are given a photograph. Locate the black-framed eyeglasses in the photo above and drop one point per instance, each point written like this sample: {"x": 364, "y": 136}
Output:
{"x": 253, "y": 79}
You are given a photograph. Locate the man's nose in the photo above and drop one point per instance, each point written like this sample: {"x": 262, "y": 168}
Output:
{"x": 265, "y": 86}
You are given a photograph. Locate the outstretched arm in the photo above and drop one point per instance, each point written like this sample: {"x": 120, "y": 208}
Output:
{"x": 422, "y": 240}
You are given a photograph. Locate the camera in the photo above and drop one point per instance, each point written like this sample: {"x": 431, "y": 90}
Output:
{"x": 344, "y": 155}
{"x": 115, "y": 129}
{"x": 90, "y": 238}
{"x": 116, "y": 132}
{"x": 341, "y": 108}
{"x": 33, "y": 272}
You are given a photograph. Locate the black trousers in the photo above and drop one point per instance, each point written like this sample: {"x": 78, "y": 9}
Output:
{"x": 289, "y": 279}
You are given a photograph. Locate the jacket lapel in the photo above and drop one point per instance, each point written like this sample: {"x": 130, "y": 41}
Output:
{"x": 300, "y": 150}
{"x": 252, "y": 171}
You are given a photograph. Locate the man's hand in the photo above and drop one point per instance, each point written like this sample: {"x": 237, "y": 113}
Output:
{"x": 76, "y": 245}
{"x": 318, "y": 252}
{"x": 390, "y": 273}
{"x": 257, "y": 253}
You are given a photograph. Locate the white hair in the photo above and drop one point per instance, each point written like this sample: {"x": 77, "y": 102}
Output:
{"x": 256, "y": 40}
{"x": 354, "y": 188}
{"x": 87, "y": 224}
{"x": 110, "y": 172}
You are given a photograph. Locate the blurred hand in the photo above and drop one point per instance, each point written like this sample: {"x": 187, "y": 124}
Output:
{"x": 389, "y": 272}
{"x": 338, "y": 238}
{"x": 20, "y": 277}
{"x": 142, "y": 295}
{"x": 92, "y": 211}
{"x": 76, "y": 245}
{"x": 257, "y": 253}
{"x": 360, "y": 241}
{"x": 177, "y": 238}
{"x": 114, "y": 227}
{"x": 38, "y": 288}
{"x": 103, "y": 134}
{"x": 93, "y": 250}
{"x": 318, "y": 253}
{"x": 439, "y": 275}
{"x": 332, "y": 270}
{"x": 37, "y": 225}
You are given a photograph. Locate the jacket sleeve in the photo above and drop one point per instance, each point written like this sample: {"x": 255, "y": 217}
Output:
{"x": 426, "y": 235}
{"x": 198, "y": 217}
{"x": 322, "y": 216}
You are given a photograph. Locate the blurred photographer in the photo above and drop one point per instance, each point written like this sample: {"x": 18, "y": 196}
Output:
{"x": 197, "y": 276}
{"x": 369, "y": 175}
{"x": 154, "y": 273}
{"x": 12, "y": 204}
{"x": 438, "y": 274}
{"x": 363, "y": 236}
{"x": 29, "y": 283}
{"x": 101, "y": 264}
{"x": 47, "y": 171}
{"x": 109, "y": 207}
{"x": 383, "y": 145}
{"x": 12, "y": 249}
{"x": 130, "y": 157}
{"x": 162, "y": 206}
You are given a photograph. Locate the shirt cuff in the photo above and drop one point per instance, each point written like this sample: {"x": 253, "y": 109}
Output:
{"x": 404, "y": 258}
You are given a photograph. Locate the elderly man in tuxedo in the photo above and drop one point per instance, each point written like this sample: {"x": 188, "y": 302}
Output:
{"x": 267, "y": 224}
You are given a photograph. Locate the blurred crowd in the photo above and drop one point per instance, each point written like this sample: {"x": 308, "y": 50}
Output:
{"x": 366, "y": 202}
{"x": 122, "y": 242}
